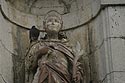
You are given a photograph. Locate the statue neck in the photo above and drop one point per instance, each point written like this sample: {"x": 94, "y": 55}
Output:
{"x": 52, "y": 35}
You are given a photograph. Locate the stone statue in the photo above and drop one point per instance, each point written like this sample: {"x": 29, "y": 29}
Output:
{"x": 51, "y": 59}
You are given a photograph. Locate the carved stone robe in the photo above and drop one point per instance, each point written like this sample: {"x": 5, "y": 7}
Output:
{"x": 52, "y": 62}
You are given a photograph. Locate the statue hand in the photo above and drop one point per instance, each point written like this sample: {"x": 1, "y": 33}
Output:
{"x": 42, "y": 51}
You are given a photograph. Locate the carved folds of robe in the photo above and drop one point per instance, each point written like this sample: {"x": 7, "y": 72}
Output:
{"x": 52, "y": 62}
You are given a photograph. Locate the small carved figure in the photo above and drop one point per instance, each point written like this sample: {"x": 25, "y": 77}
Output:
{"x": 51, "y": 60}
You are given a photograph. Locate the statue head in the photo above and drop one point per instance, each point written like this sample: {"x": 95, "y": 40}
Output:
{"x": 52, "y": 21}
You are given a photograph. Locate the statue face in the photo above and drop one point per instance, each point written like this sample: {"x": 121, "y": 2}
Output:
{"x": 53, "y": 23}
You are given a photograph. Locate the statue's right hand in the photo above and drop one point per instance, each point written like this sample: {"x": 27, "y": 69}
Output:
{"x": 42, "y": 51}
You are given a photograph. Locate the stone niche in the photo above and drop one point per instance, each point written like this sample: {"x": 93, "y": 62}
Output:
{"x": 75, "y": 13}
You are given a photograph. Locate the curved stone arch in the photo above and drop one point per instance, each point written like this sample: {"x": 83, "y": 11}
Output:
{"x": 27, "y": 20}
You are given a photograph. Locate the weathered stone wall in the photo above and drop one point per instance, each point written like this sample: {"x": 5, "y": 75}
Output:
{"x": 114, "y": 46}
{"x": 117, "y": 38}
{"x": 6, "y": 47}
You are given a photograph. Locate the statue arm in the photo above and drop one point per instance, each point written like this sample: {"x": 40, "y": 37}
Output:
{"x": 38, "y": 55}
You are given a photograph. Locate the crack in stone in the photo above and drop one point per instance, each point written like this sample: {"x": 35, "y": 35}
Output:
{"x": 110, "y": 74}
